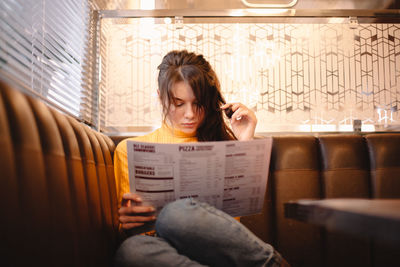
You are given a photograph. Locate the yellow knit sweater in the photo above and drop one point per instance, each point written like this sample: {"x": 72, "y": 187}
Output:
{"x": 162, "y": 135}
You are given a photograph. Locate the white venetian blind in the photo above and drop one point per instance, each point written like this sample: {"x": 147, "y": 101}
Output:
{"x": 46, "y": 46}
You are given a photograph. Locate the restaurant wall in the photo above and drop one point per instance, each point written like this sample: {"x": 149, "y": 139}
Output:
{"x": 296, "y": 77}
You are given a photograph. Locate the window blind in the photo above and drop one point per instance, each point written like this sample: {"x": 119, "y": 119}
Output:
{"x": 47, "y": 47}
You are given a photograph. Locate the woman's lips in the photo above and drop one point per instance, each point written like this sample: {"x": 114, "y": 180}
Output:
{"x": 188, "y": 125}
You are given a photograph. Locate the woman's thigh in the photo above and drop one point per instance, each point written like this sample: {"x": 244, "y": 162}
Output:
{"x": 212, "y": 237}
{"x": 150, "y": 251}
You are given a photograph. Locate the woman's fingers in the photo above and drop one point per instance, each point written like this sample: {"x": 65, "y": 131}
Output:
{"x": 135, "y": 209}
{"x": 135, "y": 216}
{"x": 243, "y": 121}
{"x": 136, "y": 219}
{"x": 132, "y": 196}
{"x": 127, "y": 198}
{"x": 128, "y": 222}
{"x": 225, "y": 106}
{"x": 127, "y": 226}
{"x": 239, "y": 113}
{"x": 131, "y": 215}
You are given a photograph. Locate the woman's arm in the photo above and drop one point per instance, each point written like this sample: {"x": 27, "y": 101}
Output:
{"x": 131, "y": 213}
{"x": 243, "y": 121}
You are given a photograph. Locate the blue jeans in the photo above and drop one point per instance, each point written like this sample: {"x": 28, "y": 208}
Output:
{"x": 191, "y": 233}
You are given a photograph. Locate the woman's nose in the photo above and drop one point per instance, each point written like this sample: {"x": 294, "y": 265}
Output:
{"x": 189, "y": 111}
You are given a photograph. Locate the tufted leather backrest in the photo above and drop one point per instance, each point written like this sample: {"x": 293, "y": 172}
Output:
{"x": 384, "y": 156}
{"x": 345, "y": 174}
{"x": 77, "y": 187}
{"x": 57, "y": 187}
{"x": 328, "y": 166}
{"x": 296, "y": 175}
{"x": 34, "y": 208}
{"x": 9, "y": 191}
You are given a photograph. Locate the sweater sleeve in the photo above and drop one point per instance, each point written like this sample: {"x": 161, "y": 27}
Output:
{"x": 121, "y": 170}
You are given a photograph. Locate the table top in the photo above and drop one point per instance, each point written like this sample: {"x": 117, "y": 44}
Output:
{"x": 377, "y": 218}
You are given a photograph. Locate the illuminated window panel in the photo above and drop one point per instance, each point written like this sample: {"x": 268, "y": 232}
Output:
{"x": 297, "y": 77}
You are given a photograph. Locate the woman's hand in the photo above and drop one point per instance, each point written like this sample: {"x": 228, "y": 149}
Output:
{"x": 243, "y": 121}
{"x": 131, "y": 215}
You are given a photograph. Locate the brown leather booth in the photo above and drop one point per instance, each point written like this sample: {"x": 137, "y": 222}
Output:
{"x": 328, "y": 166}
{"x": 58, "y": 200}
{"x": 57, "y": 188}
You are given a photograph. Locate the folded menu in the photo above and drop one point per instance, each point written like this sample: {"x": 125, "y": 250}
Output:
{"x": 230, "y": 175}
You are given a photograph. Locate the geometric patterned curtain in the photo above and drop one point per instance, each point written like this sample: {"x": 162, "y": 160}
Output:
{"x": 297, "y": 77}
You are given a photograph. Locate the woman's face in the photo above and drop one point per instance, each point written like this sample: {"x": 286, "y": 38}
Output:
{"x": 184, "y": 113}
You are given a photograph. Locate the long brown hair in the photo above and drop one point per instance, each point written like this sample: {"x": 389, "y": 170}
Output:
{"x": 194, "y": 69}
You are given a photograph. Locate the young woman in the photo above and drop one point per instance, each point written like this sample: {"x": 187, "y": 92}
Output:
{"x": 189, "y": 233}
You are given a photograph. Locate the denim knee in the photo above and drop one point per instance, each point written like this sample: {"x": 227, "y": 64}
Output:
{"x": 175, "y": 215}
{"x": 130, "y": 251}
{"x": 149, "y": 251}
{"x": 185, "y": 215}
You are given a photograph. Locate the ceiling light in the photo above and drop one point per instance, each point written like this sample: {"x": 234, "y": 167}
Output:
{"x": 291, "y": 4}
